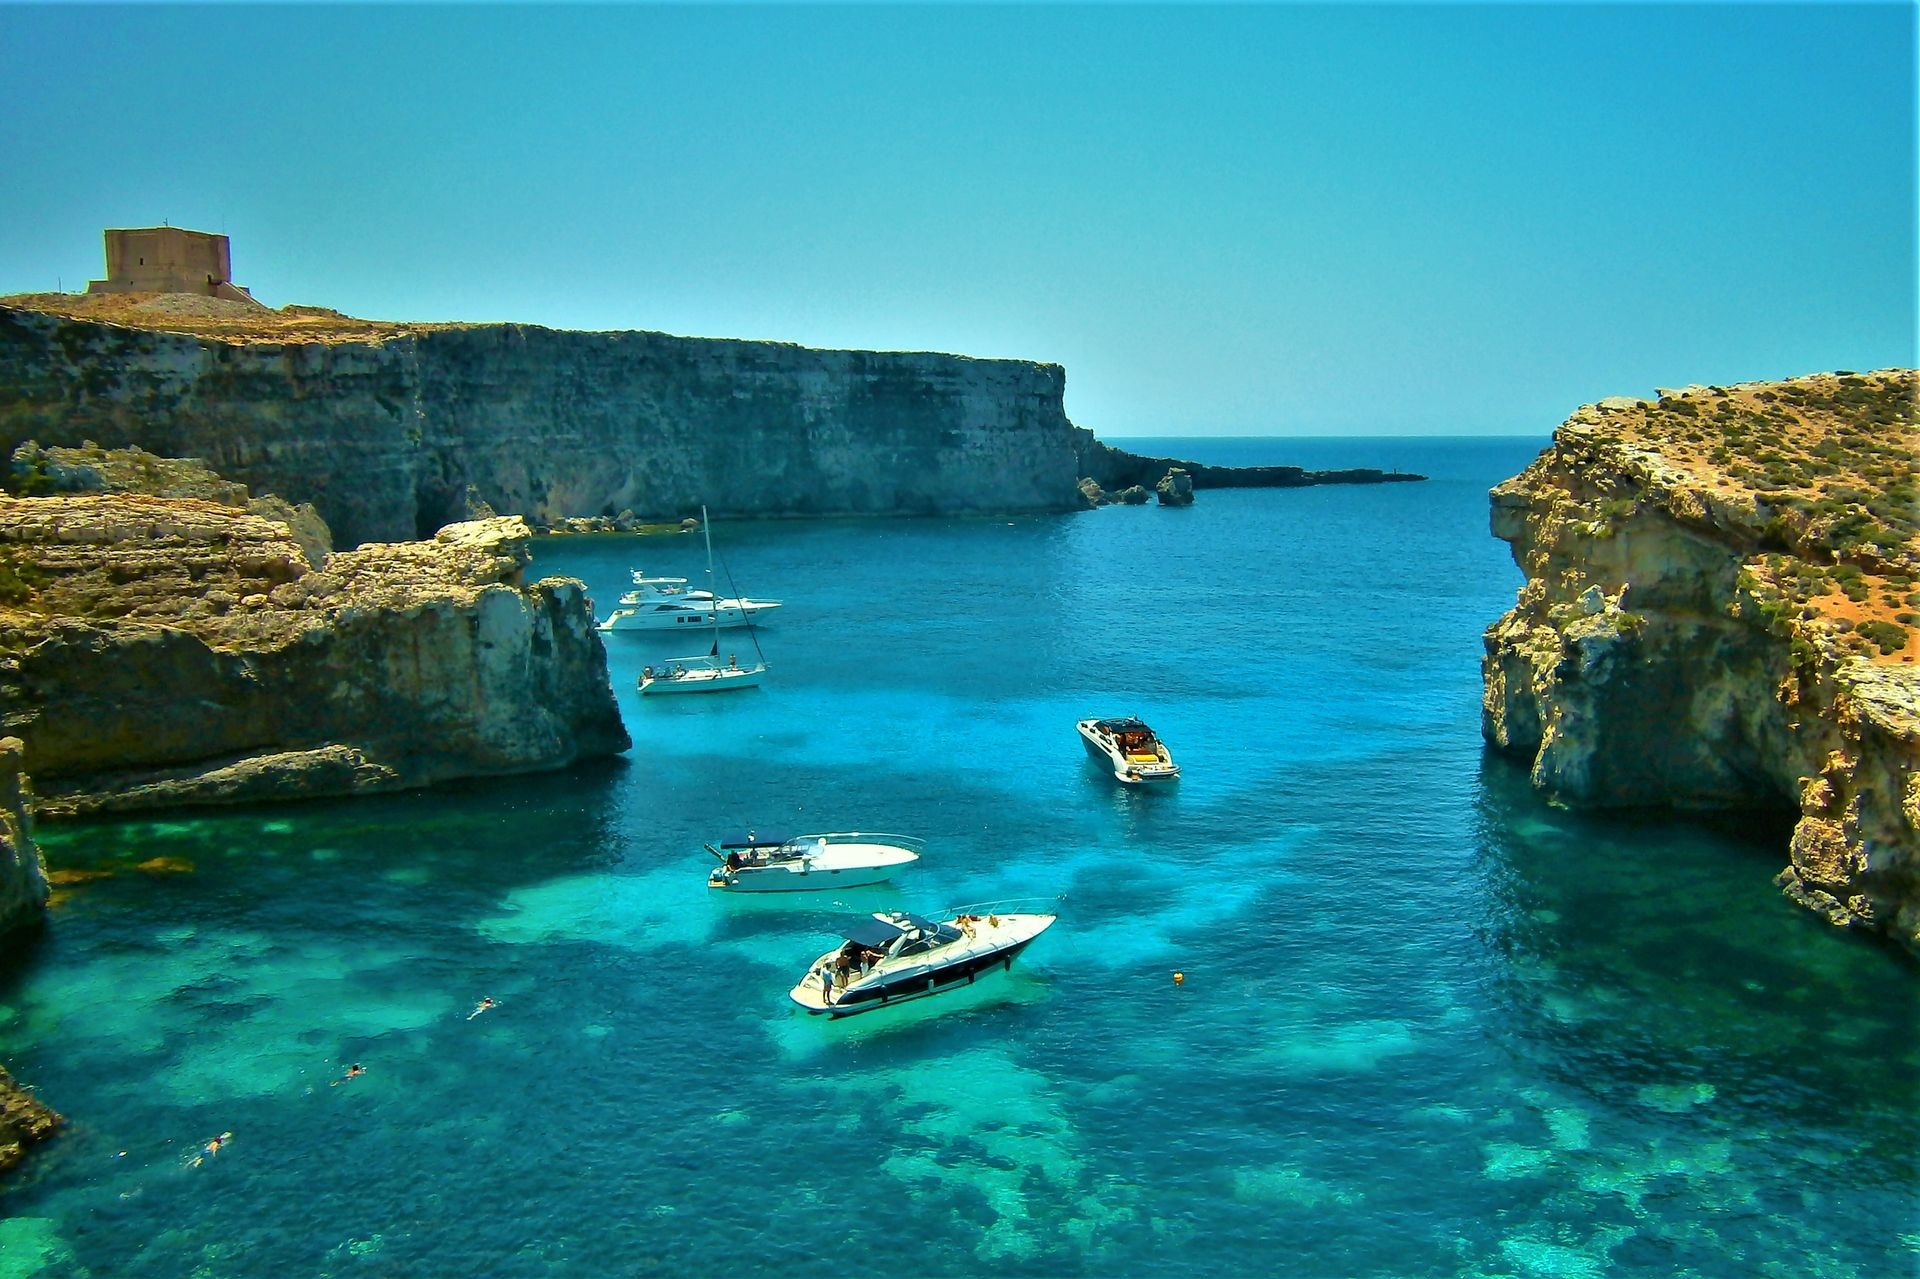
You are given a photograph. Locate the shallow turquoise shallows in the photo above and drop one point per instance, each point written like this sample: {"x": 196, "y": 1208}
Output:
{"x": 1430, "y": 1025}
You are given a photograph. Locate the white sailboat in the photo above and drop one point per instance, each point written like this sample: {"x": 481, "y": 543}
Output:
{"x": 707, "y": 673}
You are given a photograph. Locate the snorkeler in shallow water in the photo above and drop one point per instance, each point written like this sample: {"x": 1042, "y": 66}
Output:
{"x": 209, "y": 1150}
{"x": 353, "y": 1072}
{"x": 481, "y": 1007}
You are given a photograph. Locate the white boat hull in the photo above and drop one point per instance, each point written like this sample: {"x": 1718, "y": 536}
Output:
{"x": 990, "y": 946}
{"x": 831, "y": 866}
{"x": 698, "y": 680}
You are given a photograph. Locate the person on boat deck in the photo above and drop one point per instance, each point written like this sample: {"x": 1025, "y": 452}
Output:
{"x": 734, "y": 861}
{"x": 733, "y": 663}
{"x": 826, "y": 983}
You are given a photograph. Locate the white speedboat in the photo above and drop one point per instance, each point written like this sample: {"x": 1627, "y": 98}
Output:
{"x": 708, "y": 673}
{"x": 796, "y": 863}
{"x": 889, "y": 958}
{"x": 665, "y": 604}
{"x": 1130, "y": 749}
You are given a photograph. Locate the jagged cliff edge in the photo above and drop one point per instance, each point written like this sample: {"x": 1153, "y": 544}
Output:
{"x": 1719, "y": 613}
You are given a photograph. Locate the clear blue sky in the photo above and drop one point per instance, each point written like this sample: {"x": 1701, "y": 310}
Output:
{"x": 1221, "y": 220}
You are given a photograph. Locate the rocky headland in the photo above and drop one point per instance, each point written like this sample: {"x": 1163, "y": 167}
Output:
{"x": 1720, "y": 611}
{"x": 392, "y": 430}
{"x": 1117, "y": 472}
{"x": 165, "y": 651}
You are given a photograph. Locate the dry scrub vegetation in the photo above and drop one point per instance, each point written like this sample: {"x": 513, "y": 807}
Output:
{"x": 1833, "y": 463}
{"x": 214, "y": 317}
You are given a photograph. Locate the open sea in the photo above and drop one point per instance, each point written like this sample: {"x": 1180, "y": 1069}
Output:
{"x": 1431, "y": 1025}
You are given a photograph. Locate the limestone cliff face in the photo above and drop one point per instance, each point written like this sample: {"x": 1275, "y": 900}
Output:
{"x": 1697, "y": 631}
{"x": 389, "y": 432}
{"x": 23, "y": 876}
{"x": 157, "y": 651}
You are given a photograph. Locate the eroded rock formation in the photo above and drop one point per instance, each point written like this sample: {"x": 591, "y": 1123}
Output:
{"x": 1720, "y": 611}
{"x": 177, "y": 651}
{"x": 23, "y": 876}
{"x": 24, "y": 1121}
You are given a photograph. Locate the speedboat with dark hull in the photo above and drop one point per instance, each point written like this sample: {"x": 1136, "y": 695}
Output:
{"x": 754, "y": 863}
{"x": 1129, "y": 749}
{"x": 892, "y": 957}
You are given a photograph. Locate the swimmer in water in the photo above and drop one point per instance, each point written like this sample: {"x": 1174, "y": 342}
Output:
{"x": 211, "y": 1149}
{"x": 481, "y": 1007}
{"x": 353, "y": 1072}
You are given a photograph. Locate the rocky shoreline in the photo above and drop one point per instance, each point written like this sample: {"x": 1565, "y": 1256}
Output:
{"x": 1720, "y": 613}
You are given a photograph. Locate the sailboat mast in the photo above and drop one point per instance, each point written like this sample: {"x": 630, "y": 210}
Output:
{"x": 713, "y": 598}
{"x": 713, "y": 588}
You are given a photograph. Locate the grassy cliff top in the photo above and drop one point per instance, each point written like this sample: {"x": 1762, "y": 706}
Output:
{"x": 1831, "y": 463}
{"x": 215, "y": 317}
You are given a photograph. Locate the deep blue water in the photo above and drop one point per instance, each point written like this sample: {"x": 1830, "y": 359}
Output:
{"x": 1431, "y": 1025}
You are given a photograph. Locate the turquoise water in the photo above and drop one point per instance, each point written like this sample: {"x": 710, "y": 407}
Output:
{"x": 1431, "y": 1026}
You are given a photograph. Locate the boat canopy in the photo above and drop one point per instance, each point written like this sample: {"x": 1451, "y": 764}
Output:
{"x": 880, "y": 930}
{"x": 1127, "y": 725}
{"x": 747, "y": 838}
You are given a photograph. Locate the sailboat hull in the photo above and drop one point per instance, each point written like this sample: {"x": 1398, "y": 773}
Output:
{"x": 702, "y": 681}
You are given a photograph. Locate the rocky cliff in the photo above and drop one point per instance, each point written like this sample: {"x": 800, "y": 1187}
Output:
{"x": 162, "y": 651}
{"x": 389, "y": 430}
{"x": 1720, "y": 612}
{"x": 23, "y": 877}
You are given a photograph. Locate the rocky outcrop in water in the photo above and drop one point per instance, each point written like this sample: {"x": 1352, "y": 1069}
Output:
{"x": 1175, "y": 488}
{"x": 166, "y": 651}
{"x": 24, "y": 1121}
{"x": 1720, "y": 612}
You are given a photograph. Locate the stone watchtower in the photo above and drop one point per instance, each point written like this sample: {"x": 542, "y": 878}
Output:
{"x": 169, "y": 259}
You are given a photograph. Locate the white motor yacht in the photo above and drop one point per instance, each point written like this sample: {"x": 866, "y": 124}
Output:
{"x": 1129, "y": 748}
{"x": 665, "y": 604}
{"x": 891, "y": 957}
{"x": 796, "y": 863}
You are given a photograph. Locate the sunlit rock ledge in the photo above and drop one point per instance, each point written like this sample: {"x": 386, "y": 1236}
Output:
{"x": 1720, "y": 611}
{"x": 156, "y": 652}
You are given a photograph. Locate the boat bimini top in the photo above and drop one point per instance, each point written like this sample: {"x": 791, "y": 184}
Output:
{"x": 1127, "y": 725}
{"x": 881, "y": 930}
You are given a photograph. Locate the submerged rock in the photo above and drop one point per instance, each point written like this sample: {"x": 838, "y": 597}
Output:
{"x": 1720, "y": 612}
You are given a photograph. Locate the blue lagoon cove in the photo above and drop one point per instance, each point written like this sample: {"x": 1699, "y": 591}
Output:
{"x": 1430, "y": 1023}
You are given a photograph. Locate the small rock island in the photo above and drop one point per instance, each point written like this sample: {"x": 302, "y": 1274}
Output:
{"x": 1723, "y": 586}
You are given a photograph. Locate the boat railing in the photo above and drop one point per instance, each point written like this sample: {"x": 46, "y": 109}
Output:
{"x": 1007, "y": 906}
{"x": 909, "y": 842}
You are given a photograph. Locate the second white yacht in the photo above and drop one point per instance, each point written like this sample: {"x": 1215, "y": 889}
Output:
{"x": 796, "y": 863}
